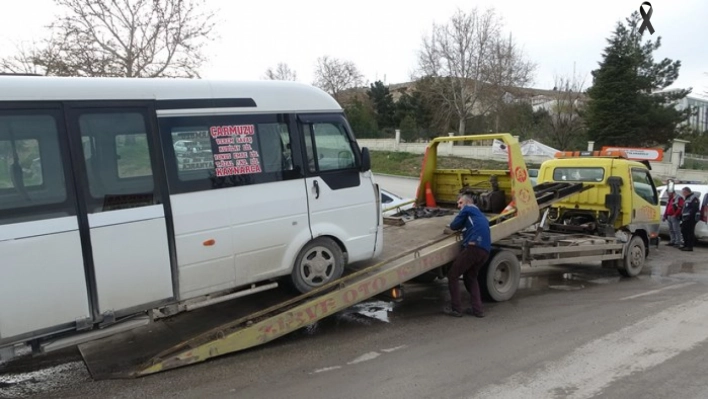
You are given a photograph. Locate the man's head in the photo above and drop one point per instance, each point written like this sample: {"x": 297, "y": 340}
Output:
{"x": 464, "y": 200}
{"x": 686, "y": 191}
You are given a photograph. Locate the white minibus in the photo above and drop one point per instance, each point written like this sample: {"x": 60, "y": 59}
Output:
{"x": 121, "y": 196}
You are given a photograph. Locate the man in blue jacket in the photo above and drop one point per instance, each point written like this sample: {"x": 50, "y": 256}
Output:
{"x": 476, "y": 245}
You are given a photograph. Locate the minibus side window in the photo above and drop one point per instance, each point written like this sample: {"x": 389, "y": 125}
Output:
{"x": 32, "y": 182}
{"x": 332, "y": 147}
{"x": 212, "y": 152}
{"x": 117, "y": 159}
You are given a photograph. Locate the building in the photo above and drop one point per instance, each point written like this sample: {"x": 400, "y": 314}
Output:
{"x": 698, "y": 121}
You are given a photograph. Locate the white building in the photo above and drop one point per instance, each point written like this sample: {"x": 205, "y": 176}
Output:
{"x": 699, "y": 120}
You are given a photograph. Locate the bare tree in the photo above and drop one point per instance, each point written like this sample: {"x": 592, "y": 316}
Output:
{"x": 21, "y": 62}
{"x": 471, "y": 62}
{"x": 281, "y": 72}
{"x": 130, "y": 38}
{"x": 506, "y": 72}
{"x": 334, "y": 76}
{"x": 566, "y": 125}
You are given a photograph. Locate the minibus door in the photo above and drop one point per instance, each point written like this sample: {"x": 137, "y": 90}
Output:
{"x": 342, "y": 202}
{"x": 121, "y": 206}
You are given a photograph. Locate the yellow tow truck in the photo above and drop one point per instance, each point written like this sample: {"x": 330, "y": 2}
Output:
{"x": 411, "y": 250}
{"x": 621, "y": 201}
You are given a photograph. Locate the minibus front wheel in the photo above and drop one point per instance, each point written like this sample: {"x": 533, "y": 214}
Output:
{"x": 318, "y": 263}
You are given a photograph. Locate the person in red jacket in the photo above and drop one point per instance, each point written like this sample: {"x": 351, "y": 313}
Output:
{"x": 672, "y": 215}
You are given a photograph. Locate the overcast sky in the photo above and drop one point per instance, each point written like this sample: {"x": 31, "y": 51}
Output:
{"x": 382, "y": 36}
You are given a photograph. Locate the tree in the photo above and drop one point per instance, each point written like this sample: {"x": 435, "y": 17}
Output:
{"x": 428, "y": 98}
{"x": 698, "y": 142}
{"x": 127, "y": 38}
{"x": 334, "y": 76}
{"x": 508, "y": 72}
{"x": 362, "y": 118}
{"x": 566, "y": 126}
{"x": 409, "y": 129}
{"x": 381, "y": 97}
{"x": 281, "y": 72}
{"x": 627, "y": 106}
{"x": 415, "y": 107}
{"x": 471, "y": 63}
{"x": 519, "y": 118}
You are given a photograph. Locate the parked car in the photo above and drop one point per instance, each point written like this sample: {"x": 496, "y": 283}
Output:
{"x": 701, "y": 226}
{"x": 390, "y": 200}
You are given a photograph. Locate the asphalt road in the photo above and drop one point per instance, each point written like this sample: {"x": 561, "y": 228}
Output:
{"x": 402, "y": 186}
{"x": 570, "y": 332}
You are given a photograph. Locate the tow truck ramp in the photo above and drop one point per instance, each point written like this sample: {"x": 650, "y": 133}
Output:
{"x": 133, "y": 354}
{"x": 166, "y": 345}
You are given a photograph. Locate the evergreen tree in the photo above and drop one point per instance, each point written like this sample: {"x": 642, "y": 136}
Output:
{"x": 362, "y": 119}
{"x": 625, "y": 107}
{"x": 409, "y": 130}
{"x": 381, "y": 97}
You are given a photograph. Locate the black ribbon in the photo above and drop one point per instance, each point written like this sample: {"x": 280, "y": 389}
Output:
{"x": 646, "y": 16}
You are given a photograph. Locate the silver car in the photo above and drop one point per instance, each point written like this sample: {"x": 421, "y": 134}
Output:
{"x": 701, "y": 226}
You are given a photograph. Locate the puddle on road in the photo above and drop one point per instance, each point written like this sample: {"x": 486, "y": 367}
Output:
{"x": 561, "y": 282}
{"x": 567, "y": 281}
{"x": 22, "y": 385}
{"x": 680, "y": 267}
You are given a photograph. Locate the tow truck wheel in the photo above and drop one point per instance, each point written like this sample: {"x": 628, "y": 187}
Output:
{"x": 318, "y": 263}
{"x": 633, "y": 261}
{"x": 499, "y": 280}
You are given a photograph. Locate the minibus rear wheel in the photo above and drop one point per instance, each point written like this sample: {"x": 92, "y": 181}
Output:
{"x": 318, "y": 263}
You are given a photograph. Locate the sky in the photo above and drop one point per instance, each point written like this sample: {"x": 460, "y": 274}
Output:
{"x": 382, "y": 37}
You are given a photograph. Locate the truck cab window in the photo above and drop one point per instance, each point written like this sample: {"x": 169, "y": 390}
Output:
{"x": 644, "y": 186}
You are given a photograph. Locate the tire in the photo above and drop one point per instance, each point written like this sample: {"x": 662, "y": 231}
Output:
{"x": 321, "y": 261}
{"x": 634, "y": 258}
{"x": 499, "y": 279}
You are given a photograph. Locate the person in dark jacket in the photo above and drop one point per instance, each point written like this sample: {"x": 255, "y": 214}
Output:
{"x": 672, "y": 215}
{"x": 476, "y": 245}
{"x": 689, "y": 218}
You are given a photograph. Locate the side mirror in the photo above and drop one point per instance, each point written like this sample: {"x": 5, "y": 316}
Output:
{"x": 669, "y": 186}
{"x": 365, "y": 160}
